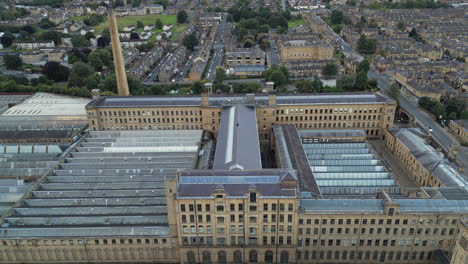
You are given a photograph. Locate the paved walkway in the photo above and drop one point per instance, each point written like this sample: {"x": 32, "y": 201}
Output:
{"x": 401, "y": 174}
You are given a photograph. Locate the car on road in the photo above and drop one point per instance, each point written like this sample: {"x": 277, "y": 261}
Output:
{"x": 429, "y": 129}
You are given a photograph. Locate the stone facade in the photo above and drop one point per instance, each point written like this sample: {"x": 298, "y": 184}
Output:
{"x": 460, "y": 128}
{"x": 304, "y": 50}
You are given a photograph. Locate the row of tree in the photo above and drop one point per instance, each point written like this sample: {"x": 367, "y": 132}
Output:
{"x": 450, "y": 109}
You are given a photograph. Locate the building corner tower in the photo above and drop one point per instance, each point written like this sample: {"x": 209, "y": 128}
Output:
{"x": 119, "y": 66}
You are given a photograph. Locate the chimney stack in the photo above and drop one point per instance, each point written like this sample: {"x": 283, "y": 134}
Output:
{"x": 120, "y": 74}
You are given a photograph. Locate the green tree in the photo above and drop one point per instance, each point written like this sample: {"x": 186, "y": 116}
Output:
{"x": 220, "y": 74}
{"x": 182, "y": 17}
{"x": 12, "y": 62}
{"x": 158, "y": 24}
{"x": 89, "y": 35}
{"x": 426, "y": 102}
{"x": 140, "y": 24}
{"x": 46, "y": 24}
{"x": 55, "y": 71}
{"x": 363, "y": 66}
{"x": 197, "y": 87}
{"x": 330, "y": 69}
{"x": 464, "y": 115}
{"x": 345, "y": 83}
{"x": 93, "y": 20}
{"x": 278, "y": 75}
{"x": 438, "y": 111}
{"x": 401, "y": 25}
{"x": 395, "y": 92}
{"x": 7, "y": 39}
{"x": 190, "y": 41}
{"x": 80, "y": 71}
{"x": 366, "y": 46}
{"x": 80, "y": 42}
{"x": 305, "y": 86}
{"x": 53, "y": 35}
{"x": 318, "y": 84}
{"x": 336, "y": 17}
{"x": 351, "y": 2}
{"x": 100, "y": 58}
{"x": 361, "y": 82}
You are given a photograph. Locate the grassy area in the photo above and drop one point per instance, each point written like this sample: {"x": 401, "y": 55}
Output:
{"x": 132, "y": 20}
{"x": 295, "y": 23}
{"x": 79, "y": 18}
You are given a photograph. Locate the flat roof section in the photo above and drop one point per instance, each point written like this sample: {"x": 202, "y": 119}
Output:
{"x": 235, "y": 183}
{"x": 111, "y": 185}
{"x": 47, "y": 104}
{"x": 238, "y": 146}
{"x": 219, "y": 100}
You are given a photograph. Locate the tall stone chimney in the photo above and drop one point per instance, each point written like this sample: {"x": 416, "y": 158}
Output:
{"x": 120, "y": 74}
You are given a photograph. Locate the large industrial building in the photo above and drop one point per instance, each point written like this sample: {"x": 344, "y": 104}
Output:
{"x": 234, "y": 179}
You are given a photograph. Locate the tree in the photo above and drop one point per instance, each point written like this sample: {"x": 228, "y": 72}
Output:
{"x": 190, "y": 41}
{"x": 250, "y": 87}
{"x": 140, "y": 24}
{"x": 158, "y": 24}
{"x": 55, "y": 71}
{"x": 197, "y": 87}
{"x": 12, "y": 62}
{"x": 220, "y": 74}
{"x": 363, "y": 66}
{"x": 336, "y": 17}
{"x": 412, "y": 33}
{"x": 93, "y": 20}
{"x": 345, "y": 83}
{"x": 80, "y": 41}
{"x": 318, "y": 84}
{"x": 102, "y": 42}
{"x": 265, "y": 44}
{"x": 401, "y": 25}
{"x": 351, "y": 2}
{"x": 464, "y": 115}
{"x": 53, "y": 35}
{"x": 394, "y": 92}
{"x": 100, "y": 58}
{"x": 426, "y": 102}
{"x": 80, "y": 71}
{"x": 7, "y": 39}
{"x": 28, "y": 28}
{"x": 330, "y": 69}
{"x": 438, "y": 111}
{"x": 278, "y": 75}
{"x": 182, "y": 17}
{"x": 89, "y": 35}
{"x": 361, "y": 82}
{"x": 366, "y": 46}
{"x": 46, "y": 24}
{"x": 305, "y": 86}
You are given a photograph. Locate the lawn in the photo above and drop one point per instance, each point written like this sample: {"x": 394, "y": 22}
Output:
{"x": 79, "y": 18}
{"x": 295, "y": 23}
{"x": 132, "y": 20}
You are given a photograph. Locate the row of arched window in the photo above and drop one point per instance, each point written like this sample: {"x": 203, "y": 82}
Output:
{"x": 222, "y": 257}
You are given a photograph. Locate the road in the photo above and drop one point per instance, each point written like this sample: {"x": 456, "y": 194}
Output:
{"x": 441, "y": 136}
{"x": 154, "y": 73}
{"x": 218, "y": 50}
{"x": 272, "y": 54}
{"x": 187, "y": 65}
